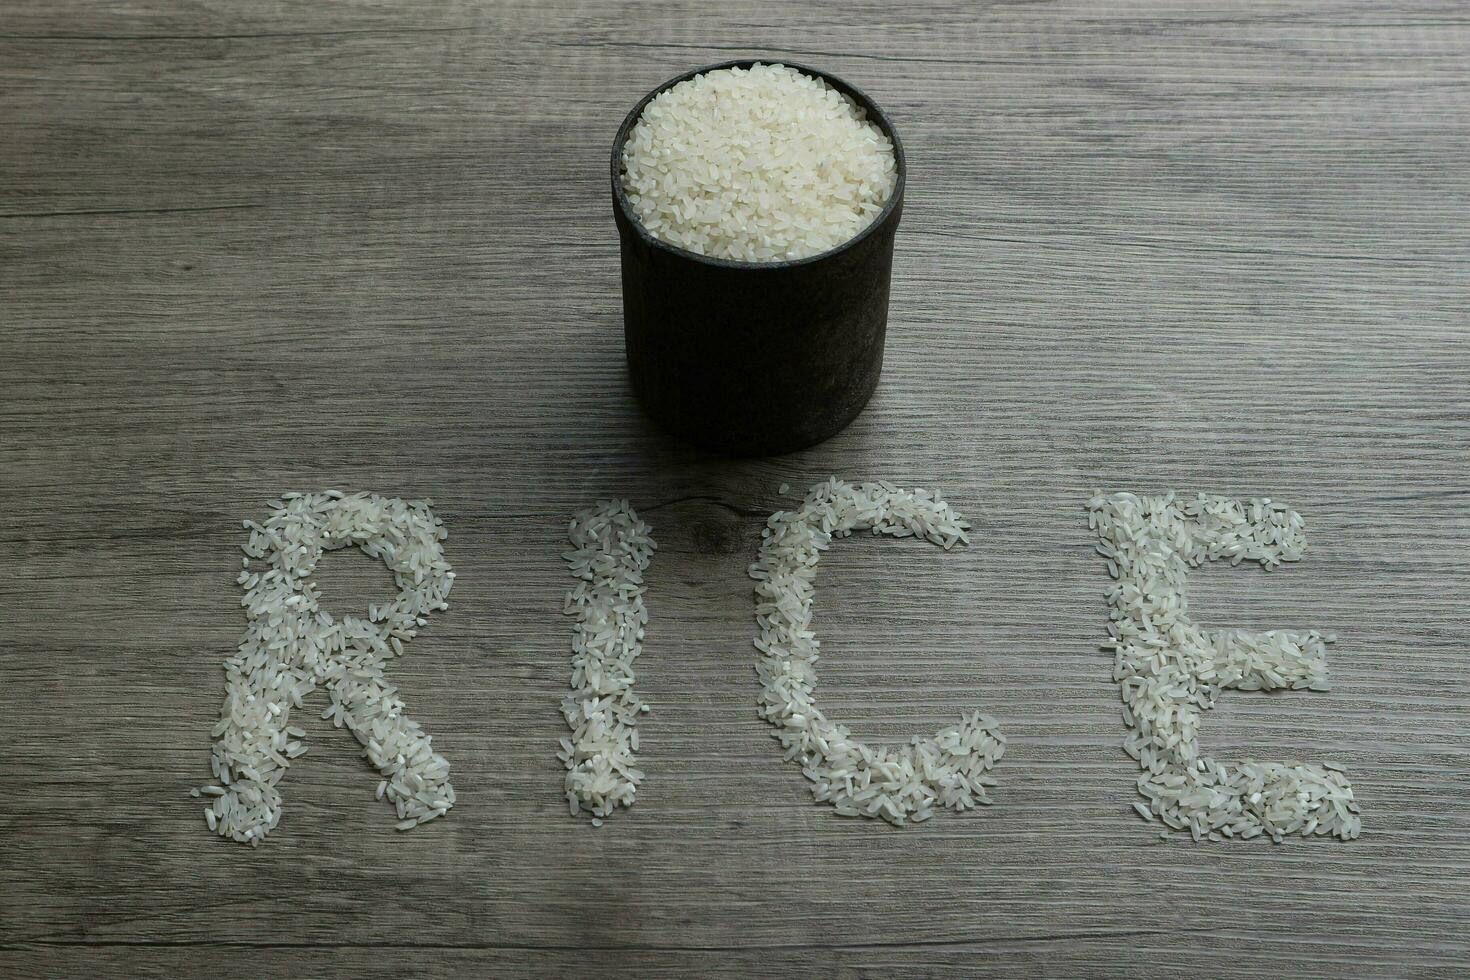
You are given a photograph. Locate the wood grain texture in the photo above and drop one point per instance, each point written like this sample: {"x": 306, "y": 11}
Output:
{"x": 247, "y": 248}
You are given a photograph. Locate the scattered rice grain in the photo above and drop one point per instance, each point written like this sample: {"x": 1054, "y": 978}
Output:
{"x": 894, "y": 784}
{"x": 1169, "y": 670}
{"x": 291, "y": 645}
{"x": 611, "y": 549}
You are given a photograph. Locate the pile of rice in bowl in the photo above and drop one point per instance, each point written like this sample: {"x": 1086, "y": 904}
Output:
{"x": 759, "y": 164}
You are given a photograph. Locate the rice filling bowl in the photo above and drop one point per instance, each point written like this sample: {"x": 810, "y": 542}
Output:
{"x": 758, "y": 164}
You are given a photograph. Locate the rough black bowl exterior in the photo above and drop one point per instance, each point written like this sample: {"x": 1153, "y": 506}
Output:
{"x": 755, "y": 359}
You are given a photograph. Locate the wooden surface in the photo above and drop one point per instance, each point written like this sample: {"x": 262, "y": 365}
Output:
{"x": 246, "y": 248}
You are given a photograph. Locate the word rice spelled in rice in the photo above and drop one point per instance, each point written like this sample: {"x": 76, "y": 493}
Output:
{"x": 1169, "y": 670}
{"x": 897, "y": 784}
{"x": 762, "y": 164}
{"x": 611, "y": 549}
{"x": 291, "y": 645}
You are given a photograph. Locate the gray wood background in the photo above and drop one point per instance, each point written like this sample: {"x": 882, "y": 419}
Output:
{"x": 252, "y": 247}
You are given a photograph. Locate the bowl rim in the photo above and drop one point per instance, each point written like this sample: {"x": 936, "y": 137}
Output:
{"x": 871, "y": 109}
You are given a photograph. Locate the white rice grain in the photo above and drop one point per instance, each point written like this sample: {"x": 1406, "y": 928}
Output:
{"x": 292, "y": 645}
{"x": 611, "y": 549}
{"x": 1169, "y": 670}
{"x": 894, "y": 784}
{"x": 757, "y": 164}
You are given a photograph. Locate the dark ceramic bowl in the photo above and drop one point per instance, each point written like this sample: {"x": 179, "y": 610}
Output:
{"x": 755, "y": 358}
